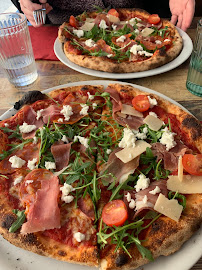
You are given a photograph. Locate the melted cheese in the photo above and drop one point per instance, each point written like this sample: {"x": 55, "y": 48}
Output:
{"x": 153, "y": 122}
{"x": 169, "y": 208}
{"x": 127, "y": 154}
{"x": 129, "y": 110}
{"x": 191, "y": 184}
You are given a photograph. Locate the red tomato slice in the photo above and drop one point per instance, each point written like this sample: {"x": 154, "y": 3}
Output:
{"x": 141, "y": 103}
{"x": 113, "y": 12}
{"x": 192, "y": 164}
{"x": 154, "y": 19}
{"x": 73, "y": 21}
{"x": 114, "y": 213}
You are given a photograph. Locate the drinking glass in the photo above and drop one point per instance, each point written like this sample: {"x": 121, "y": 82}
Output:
{"x": 16, "y": 54}
{"x": 194, "y": 77}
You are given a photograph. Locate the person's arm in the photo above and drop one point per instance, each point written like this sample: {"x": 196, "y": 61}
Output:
{"x": 28, "y": 7}
{"x": 182, "y": 12}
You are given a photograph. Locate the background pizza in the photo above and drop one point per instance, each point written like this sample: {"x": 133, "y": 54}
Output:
{"x": 63, "y": 162}
{"x": 120, "y": 41}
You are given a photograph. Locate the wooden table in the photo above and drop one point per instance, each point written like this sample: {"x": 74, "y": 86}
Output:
{"x": 54, "y": 73}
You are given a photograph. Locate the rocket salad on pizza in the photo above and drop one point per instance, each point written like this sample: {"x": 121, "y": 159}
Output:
{"x": 120, "y": 41}
{"x": 100, "y": 176}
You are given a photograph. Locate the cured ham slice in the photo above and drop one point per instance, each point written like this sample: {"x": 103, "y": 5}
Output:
{"x": 86, "y": 206}
{"x": 61, "y": 153}
{"x": 118, "y": 169}
{"x": 41, "y": 198}
{"x": 51, "y": 113}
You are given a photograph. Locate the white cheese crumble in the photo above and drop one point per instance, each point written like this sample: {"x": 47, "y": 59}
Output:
{"x": 138, "y": 19}
{"x": 132, "y": 21}
{"x": 148, "y": 54}
{"x": 79, "y": 236}
{"x": 67, "y": 112}
{"x": 142, "y": 183}
{"x": 132, "y": 204}
{"x": 38, "y": 114}
{"x": 102, "y": 24}
{"x": 145, "y": 199}
{"x": 64, "y": 139}
{"x": 121, "y": 39}
{"x": 128, "y": 197}
{"x": 25, "y": 128}
{"x": 78, "y": 33}
{"x": 60, "y": 120}
{"x": 6, "y": 125}
{"x": 136, "y": 31}
{"x": 153, "y": 114}
{"x": 94, "y": 105}
{"x": 108, "y": 151}
{"x": 152, "y": 101}
{"x": 155, "y": 191}
{"x": 16, "y": 162}
{"x": 109, "y": 55}
{"x": 35, "y": 140}
{"x": 84, "y": 109}
{"x": 68, "y": 199}
{"x": 135, "y": 49}
{"x": 167, "y": 139}
{"x": 142, "y": 135}
{"x": 90, "y": 43}
{"x": 158, "y": 41}
{"x": 28, "y": 182}
{"x": 50, "y": 165}
{"x": 17, "y": 180}
{"x": 114, "y": 26}
{"x": 32, "y": 164}
{"x": 167, "y": 39}
{"x": 82, "y": 140}
{"x": 66, "y": 189}
{"x": 128, "y": 139}
{"x": 90, "y": 97}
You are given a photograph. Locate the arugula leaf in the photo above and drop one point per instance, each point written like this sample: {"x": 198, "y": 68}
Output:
{"x": 176, "y": 195}
{"x": 14, "y": 133}
{"x": 20, "y": 220}
{"x": 144, "y": 252}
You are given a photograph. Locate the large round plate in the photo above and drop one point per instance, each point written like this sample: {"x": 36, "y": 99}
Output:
{"x": 12, "y": 257}
{"x": 183, "y": 56}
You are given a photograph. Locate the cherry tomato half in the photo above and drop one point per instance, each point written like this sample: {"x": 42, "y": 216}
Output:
{"x": 154, "y": 19}
{"x": 192, "y": 164}
{"x": 73, "y": 21}
{"x": 141, "y": 103}
{"x": 115, "y": 213}
{"x": 113, "y": 12}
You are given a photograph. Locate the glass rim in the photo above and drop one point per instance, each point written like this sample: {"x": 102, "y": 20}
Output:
{"x": 15, "y": 13}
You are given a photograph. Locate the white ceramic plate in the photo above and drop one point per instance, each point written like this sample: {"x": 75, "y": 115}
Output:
{"x": 12, "y": 257}
{"x": 183, "y": 56}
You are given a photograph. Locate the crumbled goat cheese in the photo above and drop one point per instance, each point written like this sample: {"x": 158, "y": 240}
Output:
{"x": 145, "y": 199}
{"x": 82, "y": 140}
{"x": 148, "y": 54}
{"x": 28, "y": 182}
{"x": 136, "y": 31}
{"x": 152, "y": 101}
{"x": 167, "y": 139}
{"x": 128, "y": 139}
{"x": 109, "y": 55}
{"x": 128, "y": 197}
{"x": 121, "y": 39}
{"x": 60, "y": 120}
{"x": 90, "y": 97}
{"x": 132, "y": 21}
{"x": 79, "y": 237}
{"x": 142, "y": 135}
{"x": 84, "y": 109}
{"x": 135, "y": 49}
{"x": 32, "y": 164}
{"x": 153, "y": 114}
{"x": 167, "y": 39}
{"x": 6, "y": 125}
{"x": 67, "y": 112}
{"x": 66, "y": 189}
{"x": 78, "y": 33}
{"x": 16, "y": 162}
{"x": 35, "y": 140}
{"x": 103, "y": 24}
{"x": 17, "y": 180}
{"x": 142, "y": 183}
{"x": 114, "y": 26}
{"x": 132, "y": 204}
{"x": 50, "y": 165}
{"x": 155, "y": 191}
{"x": 38, "y": 114}
{"x": 68, "y": 199}
{"x": 94, "y": 105}
{"x": 158, "y": 41}
{"x": 64, "y": 139}
{"x": 90, "y": 43}
{"x": 108, "y": 151}
{"x": 25, "y": 128}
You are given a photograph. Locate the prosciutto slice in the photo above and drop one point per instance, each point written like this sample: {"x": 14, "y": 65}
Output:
{"x": 61, "y": 153}
{"x": 43, "y": 211}
{"x": 119, "y": 170}
{"x": 170, "y": 158}
{"x": 51, "y": 113}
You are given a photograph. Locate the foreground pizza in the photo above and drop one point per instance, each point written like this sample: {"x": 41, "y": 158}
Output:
{"x": 100, "y": 176}
{"x": 120, "y": 41}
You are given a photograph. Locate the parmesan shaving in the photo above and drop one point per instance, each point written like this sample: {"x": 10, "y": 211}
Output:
{"x": 129, "y": 110}
{"x": 191, "y": 184}
{"x": 153, "y": 122}
{"x": 180, "y": 169}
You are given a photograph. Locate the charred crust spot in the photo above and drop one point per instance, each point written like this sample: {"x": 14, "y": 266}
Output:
{"x": 62, "y": 253}
{"x": 124, "y": 90}
{"x": 84, "y": 88}
{"x": 29, "y": 98}
{"x": 193, "y": 124}
{"x": 155, "y": 226}
{"x": 121, "y": 260}
{"x": 8, "y": 221}
{"x": 162, "y": 52}
{"x": 30, "y": 239}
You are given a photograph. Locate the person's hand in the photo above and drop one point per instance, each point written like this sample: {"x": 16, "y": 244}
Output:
{"x": 182, "y": 12}
{"x": 28, "y": 7}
